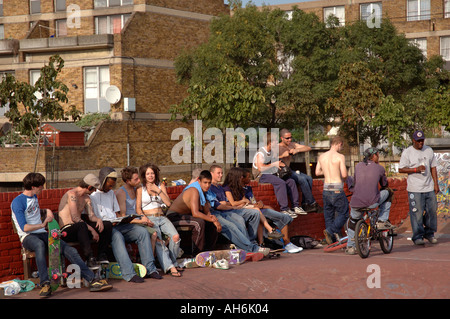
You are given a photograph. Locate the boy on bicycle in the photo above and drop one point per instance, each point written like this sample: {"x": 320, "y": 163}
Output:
{"x": 368, "y": 174}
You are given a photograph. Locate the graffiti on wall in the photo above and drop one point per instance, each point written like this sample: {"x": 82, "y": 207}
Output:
{"x": 443, "y": 172}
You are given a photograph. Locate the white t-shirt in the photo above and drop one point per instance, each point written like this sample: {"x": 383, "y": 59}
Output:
{"x": 105, "y": 205}
{"x": 411, "y": 158}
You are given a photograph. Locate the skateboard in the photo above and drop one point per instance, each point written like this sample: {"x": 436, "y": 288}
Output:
{"x": 113, "y": 270}
{"x": 254, "y": 256}
{"x": 208, "y": 258}
{"x": 275, "y": 253}
{"x": 187, "y": 263}
{"x": 55, "y": 262}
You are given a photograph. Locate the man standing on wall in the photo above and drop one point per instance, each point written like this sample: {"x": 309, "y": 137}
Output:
{"x": 419, "y": 163}
{"x": 331, "y": 164}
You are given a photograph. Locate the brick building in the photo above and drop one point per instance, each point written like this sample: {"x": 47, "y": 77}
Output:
{"x": 131, "y": 44}
{"x": 426, "y": 22}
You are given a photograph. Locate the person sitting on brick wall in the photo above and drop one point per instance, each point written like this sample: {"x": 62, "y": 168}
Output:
{"x": 105, "y": 205}
{"x": 191, "y": 208}
{"x": 233, "y": 224}
{"x": 238, "y": 191}
{"x": 287, "y": 148}
{"x": 265, "y": 168}
{"x": 73, "y": 203}
{"x": 150, "y": 199}
{"x": 26, "y": 215}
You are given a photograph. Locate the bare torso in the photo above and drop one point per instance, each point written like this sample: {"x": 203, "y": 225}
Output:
{"x": 331, "y": 164}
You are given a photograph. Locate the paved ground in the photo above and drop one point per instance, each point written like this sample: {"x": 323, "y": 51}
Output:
{"x": 408, "y": 272}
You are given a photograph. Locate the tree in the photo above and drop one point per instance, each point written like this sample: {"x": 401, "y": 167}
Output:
{"x": 29, "y": 105}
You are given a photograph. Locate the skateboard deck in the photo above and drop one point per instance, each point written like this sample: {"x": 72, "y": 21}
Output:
{"x": 208, "y": 258}
{"x": 55, "y": 265}
{"x": 113, "y": 270}
{"x": 276, "y": 253}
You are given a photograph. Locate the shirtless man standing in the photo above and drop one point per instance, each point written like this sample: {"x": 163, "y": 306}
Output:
{"x": 191, "y": 208}
{"x": 331, "y": 164}
{"x": 71, "y": 207}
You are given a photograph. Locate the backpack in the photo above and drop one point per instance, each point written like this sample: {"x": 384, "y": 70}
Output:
{"x": 305, "y": 242}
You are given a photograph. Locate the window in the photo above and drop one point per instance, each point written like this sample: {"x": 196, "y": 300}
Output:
{"x": 60, "y": 5}
{"x": 418, "y": 10}
{"x": 373, "y": 9}
{"x": 338, "y": 12}
{"x": 445, "y": 48}
{"x": 421, "y": 43}
{"x": 61, "y": 28}
{"x": 111, "y": 3}
{"x": 2, "y": 32}
{"x": 1, "y": 8}
{"x": 447, "y": 9}
{"x": 35, "y": 6}
{"x": 96, "y": 81}
{"x": 110, "y": 24}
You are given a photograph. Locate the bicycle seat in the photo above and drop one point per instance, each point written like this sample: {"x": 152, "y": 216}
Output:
{"x": 366, "y": 209}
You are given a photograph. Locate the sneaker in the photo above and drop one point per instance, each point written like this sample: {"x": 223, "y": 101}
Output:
{"x": 221, "y": 264}
{"x": 351, "y": 251}
{"x": 99, "y": 285}
{"x": 264, "y": 251}
{"x": 136, "y": 279}
{"x": 46, "y": 290}
{"x": 154, "y": 275}
{"x": 290, "y": 213}
{"x": 328, "y": 237}
{"x": 419, "y": 242}
{"x": 431, "y": 239}
{"x": 299, "y": 211}
{"x": 314, "y": 207}
{"x": 92, "y": 263}
{"x": 274, "y": 235}
{"x": 292, "y": 249}
{"x": 384, "y": 225}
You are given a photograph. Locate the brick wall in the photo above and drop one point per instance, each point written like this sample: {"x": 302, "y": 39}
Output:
{"x": 311, "y": 225}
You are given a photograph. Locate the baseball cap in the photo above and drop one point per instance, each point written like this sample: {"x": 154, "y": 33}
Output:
{"x": 418, "y": 135}
{"x": 92, "y": 180}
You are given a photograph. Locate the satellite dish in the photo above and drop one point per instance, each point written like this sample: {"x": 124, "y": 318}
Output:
{"x": 112, "y": 94}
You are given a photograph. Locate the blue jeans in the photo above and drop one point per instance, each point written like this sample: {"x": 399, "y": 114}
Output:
{"x": 385, "y": 207}
{"x": 233, "y": 228}
{"x": 167, "y": 256}
{"x": 305, "y": 183}
{"x": 283, "y": 189}
{"x": 132, "y": 233}
{"x": 279, "y": 219}
{"x": 39, "y": 244}
{"x": 334, "y": 202}
{"x": 423, "y": 225}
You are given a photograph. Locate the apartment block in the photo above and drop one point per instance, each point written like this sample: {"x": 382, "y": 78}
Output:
{"x": 425, "y": 22}
{"x": 130, "y": 44}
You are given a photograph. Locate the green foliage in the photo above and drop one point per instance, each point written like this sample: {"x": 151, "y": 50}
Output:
{"x": 91, "y": 119}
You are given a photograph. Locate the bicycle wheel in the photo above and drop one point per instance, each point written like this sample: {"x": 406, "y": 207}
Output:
{"x": 337, "y": 245}
{"x": 362, "y": 239}
{"x": 386, "y": 241}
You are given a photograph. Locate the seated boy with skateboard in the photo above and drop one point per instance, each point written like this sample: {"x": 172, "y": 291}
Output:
{"x": 26, "y": 215}
{"x": 191, "y": 208}
{"x": 71, "y": 207}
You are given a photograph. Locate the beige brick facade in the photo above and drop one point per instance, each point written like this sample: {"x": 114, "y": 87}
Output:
{"x": 433, "y": 28}
{"x": 140, "y": 59}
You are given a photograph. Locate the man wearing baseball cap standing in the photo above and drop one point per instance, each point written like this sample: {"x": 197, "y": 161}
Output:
{"x": 419, "y": 163}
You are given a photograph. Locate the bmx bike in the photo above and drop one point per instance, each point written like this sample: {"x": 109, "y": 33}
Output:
{"x": 366, "y": 231}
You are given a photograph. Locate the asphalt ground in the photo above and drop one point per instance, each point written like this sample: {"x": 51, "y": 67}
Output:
{"x": 408, "y": 272}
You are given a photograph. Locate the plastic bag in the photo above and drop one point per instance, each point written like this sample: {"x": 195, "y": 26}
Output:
{"x": 10, "y": 287}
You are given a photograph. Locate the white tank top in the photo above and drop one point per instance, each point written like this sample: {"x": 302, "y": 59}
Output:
{"x": 150, "y": 202}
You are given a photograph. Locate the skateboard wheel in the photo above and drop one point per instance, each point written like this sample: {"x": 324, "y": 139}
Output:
{"x": 55, "y": 276}
{"x": 63, "y": 234}
{"x": 55, "y": 235}
{"x": 65, "y": 275}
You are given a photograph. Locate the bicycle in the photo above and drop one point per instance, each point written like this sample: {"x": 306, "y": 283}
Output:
{"x": 341, "y": 243}
{"x": 366, "y": 230}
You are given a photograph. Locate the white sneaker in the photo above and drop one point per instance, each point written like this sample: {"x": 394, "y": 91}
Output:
{"x": 299, "y": 211}
{"x": 221, "y": 264}
{"x": 292, "y": 249}
{"x": 290, "y": 213}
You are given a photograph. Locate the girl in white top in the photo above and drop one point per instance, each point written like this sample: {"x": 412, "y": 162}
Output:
{"x": 150, "y": 199}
